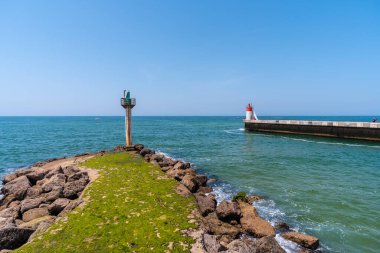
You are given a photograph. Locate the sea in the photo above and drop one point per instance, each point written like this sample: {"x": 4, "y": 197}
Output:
{"x": 329, "y": 188}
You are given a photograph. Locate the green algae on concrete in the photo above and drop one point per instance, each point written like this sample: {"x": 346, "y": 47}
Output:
{"x": 131, "y": 207}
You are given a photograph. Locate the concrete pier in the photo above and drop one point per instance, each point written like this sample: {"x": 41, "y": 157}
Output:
{"x": 336, "y": 129}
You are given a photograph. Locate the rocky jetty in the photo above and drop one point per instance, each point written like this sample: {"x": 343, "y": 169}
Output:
{"x": 35, "y": 197}
{"x": 232, "y": 226}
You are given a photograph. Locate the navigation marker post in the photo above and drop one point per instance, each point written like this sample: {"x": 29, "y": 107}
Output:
{"x": 128, "y": 103}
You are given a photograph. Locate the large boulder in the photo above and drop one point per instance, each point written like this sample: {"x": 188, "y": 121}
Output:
{"x": 73, "y": 189}
{"x": 78, "y": 176}
{"x": 70, "y": 170}
{"x": 211, "y": 244}
{"x": 51, "y": 196}
{"x": 58, "y": 205}
{"x": 146, "y": 151}
{"x": 215, "y": 226}
{"x": 28, "y": 204}
{"x": 304, "y": 240}
{"x": 13, "y": 237}
{"x": 157, "y": 157}
{"x": 35, "y": 213}
{"x": 262, "y": 245}
{"x": 180, "y": 165}
{"x": 252, "y": 223}
{"x": 228, "y": 211}
{"x": 18, "y": 187}
{"x": 201, "y": 179}
{"x": 33, "y": 224}
{"x": 56, "y": 182}
{"x": 36, "y": 175}
{"x": 138, "y": 147}
{"x": 34, "y": 192}
{"x": 10, "y": 212}
{"x": 6, "y": 200}
{"x": 55, "y": 171}
{"x": 190, "y": 182}
{"x": 206, "y": 203}
{"x": 177, "y": 174}
{"x": 183, "y": 191}
{"x": 9, "y": 177}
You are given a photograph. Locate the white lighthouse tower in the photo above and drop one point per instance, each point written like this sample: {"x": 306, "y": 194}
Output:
{"x": 250, "y": 113}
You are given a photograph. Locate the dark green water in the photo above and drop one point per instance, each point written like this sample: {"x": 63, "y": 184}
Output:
{"x": 328, "y": 188}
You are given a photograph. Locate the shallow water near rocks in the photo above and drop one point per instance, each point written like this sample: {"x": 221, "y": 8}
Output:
{"x": 325, "y": 187}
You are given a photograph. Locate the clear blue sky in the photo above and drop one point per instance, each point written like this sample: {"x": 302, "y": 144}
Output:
{"x": 309, "y": 57}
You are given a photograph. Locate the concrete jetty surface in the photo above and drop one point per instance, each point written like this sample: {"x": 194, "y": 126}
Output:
{"x": 336, "y": 129}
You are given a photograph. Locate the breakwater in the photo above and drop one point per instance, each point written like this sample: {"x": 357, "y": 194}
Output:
{"x": 348, "y": 130}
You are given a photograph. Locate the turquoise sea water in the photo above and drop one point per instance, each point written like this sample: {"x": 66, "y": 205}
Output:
{"x": 326, "y": 187}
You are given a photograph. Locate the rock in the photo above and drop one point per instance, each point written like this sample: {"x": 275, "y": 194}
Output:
{"x": 190, "y": 182}
{"x": 13, "y": 237}
{"x": 36, "y": 175}
{"x": 6, "y": 201}
{"x": 252, "y": 223}
{"x": 304, "y": 240}
{"x": 10, "y": 212}
{"x": 78, "y": 176}
{"x": 201, "y": 179}
{"x": 183, "y": 191}
{"x": 228, "y": 211}
{"x": 177, "y": 174}
{"x": 15, "y": 204}
{"x": 58, "y": 205}
{"x": 34, "y": 214}
{"x": 168, "y": 161}
{"x": 282, "y": 226}
{"x": 179, "y": 165}
{"x": 28, "y": 204}
{"x": 211, "y": 180}
{"x": 34, "y": 192}
{"x": 70, "y": 170}
{"x": 55, "y": 182}
{"x": 6, "y": 222}
{"x": 206, "y": 204}
{"x": 154, "y": 162}
{"x": 165, "y": 169}
{"x": 18, "y": 187}
{"x": 119, "y": 148}
{"x": 33, "y": 224}
{"x": 9, "y": 177}
{"x": 216, "y": 227}
{"x": 262, "y": 245}
{"x": 22, "y": 172}
{"x": 41, "y": 228}
{"x": 211, "y": 244}
{"x": 186, "y": 165}
{"x": 53, "y": 195}
{"x": 147, "y": 157}
{"x": 73, "y": 189}
{"x": 138, "y": 147}
{"x": 205, "y": 189}
{"x": 55, "y": 171}
{"x": 157, "y": 157}
{"x": 252, "y": 198}
{"x": 146, "y": 151}
{"x": 70, "y": 207}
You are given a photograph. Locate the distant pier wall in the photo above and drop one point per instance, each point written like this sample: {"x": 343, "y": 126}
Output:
{"x": 335, "y": 129}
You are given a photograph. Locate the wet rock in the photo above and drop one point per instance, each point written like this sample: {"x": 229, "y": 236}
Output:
{"x": 282, "y": 226}
{"x": 70, "y": 207}
{"x": 78, "y": 176}
{"x": 201, "y": 179}
{"x": 211, "y": 244}
{"x": 13, "y": 237}
{"x": 58, "y": 205}
{"x": 211, "y": 180}
{"x": 228, "y": 211}
{"x": 73, "y": 189}
{"x": 70, "y": 170}
{"x": 28, "y": 204}
{"x": 190, "y": 182}
{"x": 252, "y": 223}
{"x": 304, "y": 240}
{"x": 183, "y": 191}
{"x": 215, "y": 226}
{"x": 205, "y": 189}
{"x": 18, "y": 187}
{"x": 206, "y": 203}
{"x": 34, "y": 214}
{"x": 56, "y": 182}
{"x": 8, "y": 178}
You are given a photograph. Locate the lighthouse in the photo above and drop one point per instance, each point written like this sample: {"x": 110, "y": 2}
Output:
{"x": 128, "y": 103}
{"x": 250, "y": 113}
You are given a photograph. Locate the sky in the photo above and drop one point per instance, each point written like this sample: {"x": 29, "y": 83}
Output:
{"x": 190, "y": 57}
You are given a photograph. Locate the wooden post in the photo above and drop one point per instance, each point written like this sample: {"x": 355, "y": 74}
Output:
{"x": 128, "y": 126}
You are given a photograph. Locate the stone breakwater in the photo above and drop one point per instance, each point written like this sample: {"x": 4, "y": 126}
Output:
{"x": 35, "y": 197}
{"x": 228, "y": 226}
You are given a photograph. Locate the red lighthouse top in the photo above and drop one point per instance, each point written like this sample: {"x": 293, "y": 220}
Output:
{"x": 249, "y": 108}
